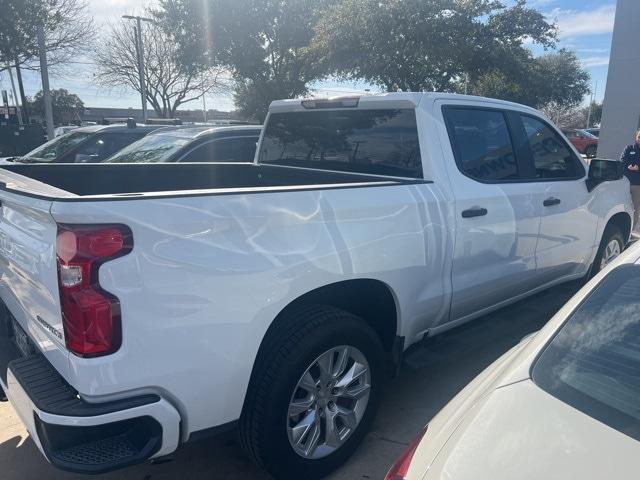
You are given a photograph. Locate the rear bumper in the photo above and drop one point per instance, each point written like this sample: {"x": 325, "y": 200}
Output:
{"x": 81, "y": 436}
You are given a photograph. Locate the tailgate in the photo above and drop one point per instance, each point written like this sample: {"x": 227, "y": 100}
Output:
{"x": 28, "y": 273}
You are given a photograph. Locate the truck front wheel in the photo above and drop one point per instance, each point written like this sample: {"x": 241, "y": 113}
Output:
{"x": 314, "y": 393}
{"x": 611, "y": 246}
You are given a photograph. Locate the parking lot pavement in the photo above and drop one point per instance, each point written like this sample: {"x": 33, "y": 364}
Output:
{"x": 433, "y": 373}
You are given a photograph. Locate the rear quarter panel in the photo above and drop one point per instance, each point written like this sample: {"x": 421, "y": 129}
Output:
{"x": 28, "y": 273}
{"x": 208, "y": 274}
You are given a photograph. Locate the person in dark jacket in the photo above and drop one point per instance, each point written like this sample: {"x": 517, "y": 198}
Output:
{"x": 631, "y": 159}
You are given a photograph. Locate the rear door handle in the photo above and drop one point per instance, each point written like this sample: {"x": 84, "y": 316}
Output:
{"x": 551, "y": 201}
{"x": 474, "y": 212}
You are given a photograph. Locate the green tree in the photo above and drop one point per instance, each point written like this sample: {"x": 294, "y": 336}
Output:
{"x": 67, "y": 107}
{"x": 563, "y": 80}
{"x": 425, "y": 44}
{"x": 554, "y": 81}
{"x": 596, "y": 114}
{"x": 261, "y": 42}
{"x": 67, "y": 26}
{"x": 18, "y": 23}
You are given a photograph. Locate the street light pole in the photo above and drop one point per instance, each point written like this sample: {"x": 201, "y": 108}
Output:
{"x": 140, "y": 52}
{"x": 44, "y": 72}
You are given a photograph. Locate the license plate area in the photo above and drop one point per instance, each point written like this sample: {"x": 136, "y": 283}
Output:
{"x": 21, "y": 339}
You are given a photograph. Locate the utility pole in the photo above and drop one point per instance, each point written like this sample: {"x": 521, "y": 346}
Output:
{"x": 204, "y": 102}
{"x": 204, "y": 108}
{"x": 140, "y": 52}
{"x": 593, "y": 99}
{"x": 46, "y": 95}
{"x": 23, "y": 98}
{"x": 15, "y": 96}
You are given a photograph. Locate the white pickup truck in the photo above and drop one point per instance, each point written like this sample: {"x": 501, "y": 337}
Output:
{"x": 150, "y": 305}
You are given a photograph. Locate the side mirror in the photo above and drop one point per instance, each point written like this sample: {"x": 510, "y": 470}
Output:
{"x": 84, "y": 158}
{"x": 603, "y": 171}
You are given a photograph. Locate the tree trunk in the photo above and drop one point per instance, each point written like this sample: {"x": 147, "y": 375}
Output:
{"x": 23, "y": 98}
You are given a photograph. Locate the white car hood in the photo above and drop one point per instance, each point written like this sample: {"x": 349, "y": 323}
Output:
{"x": 521, "y": 432}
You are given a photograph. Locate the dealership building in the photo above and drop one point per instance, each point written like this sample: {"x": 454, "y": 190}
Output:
{"x": 621, "y": 113}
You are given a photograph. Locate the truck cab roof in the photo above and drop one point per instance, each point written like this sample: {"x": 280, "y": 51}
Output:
{"x": 382, "y": 100}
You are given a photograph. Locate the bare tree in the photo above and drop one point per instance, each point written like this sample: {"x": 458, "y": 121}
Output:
{"x": 564, "y": 116}
{"x": 169, "y": 84}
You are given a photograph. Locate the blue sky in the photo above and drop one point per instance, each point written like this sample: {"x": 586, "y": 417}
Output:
{"x": 585, "y": 27}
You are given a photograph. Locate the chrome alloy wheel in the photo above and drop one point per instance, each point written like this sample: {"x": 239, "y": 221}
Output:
{"x": 611, "y": 252}
{"x": 328, "y": 402}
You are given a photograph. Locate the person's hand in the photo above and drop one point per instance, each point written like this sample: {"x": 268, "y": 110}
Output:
{"x": 633, "y": 167}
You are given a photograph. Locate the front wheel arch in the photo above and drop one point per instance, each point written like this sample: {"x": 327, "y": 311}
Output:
{"x": 623, "y": 221}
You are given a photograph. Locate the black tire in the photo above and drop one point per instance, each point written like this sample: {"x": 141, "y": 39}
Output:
{"x": 591, "y": 151}
{"x": 283, "y": 358}
{"x": 612, "y": 232}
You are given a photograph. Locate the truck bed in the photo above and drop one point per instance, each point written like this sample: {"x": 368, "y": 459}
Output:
{"x": 71, "y": 180}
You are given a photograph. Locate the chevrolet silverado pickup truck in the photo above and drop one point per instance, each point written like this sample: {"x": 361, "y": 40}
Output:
{"x": 145, "y": 306}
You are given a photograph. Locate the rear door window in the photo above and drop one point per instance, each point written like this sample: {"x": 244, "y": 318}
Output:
{"x": 380, "y": 142}
{"x": 482, "y": 144}
{"x": 593, "y": 363}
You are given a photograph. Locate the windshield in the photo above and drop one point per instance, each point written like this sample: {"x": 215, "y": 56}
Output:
{"x": 152, "y": 148}
{"x": 55, "y": 148}
{"x": 593, "y": 363}
{"x": 382, "y": 142}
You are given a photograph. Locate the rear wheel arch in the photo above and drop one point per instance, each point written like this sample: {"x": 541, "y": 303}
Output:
{"x": 371, "y": 300}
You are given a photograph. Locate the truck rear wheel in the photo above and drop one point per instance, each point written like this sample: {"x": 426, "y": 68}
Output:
{"x": 314, "y": 393}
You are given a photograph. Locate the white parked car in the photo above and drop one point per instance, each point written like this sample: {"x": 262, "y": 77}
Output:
{"x": 564, "y": 403}
{"x": 155, "y": 304}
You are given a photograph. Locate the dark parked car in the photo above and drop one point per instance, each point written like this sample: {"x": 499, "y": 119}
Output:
{"x": 87, "y": 144}
{"x": 193, "y": 144}
{"x": 586, "y": 143}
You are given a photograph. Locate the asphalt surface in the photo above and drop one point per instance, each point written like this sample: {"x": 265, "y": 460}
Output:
{"x": 434, "y": 372}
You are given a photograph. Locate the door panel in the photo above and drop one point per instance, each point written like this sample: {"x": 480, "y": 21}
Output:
{"x": 497, "y": 216}
{"x": 567, "y": 231}
{"x": 567, "y": 226}
{"x": 494, "y": 255}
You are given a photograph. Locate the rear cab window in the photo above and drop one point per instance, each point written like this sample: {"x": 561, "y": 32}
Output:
{"x": 379, "y": 142}
{"x": 593, "y": 362}
{"x": 230, "y": 149}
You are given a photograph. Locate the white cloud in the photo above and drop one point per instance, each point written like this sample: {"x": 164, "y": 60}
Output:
{"x": 540, "y": 3}
{"x": 593, "y": 50}
{"x": 109, "y": 11}
{"x": 572, "y": 23}
{"x": 590, "y": 62}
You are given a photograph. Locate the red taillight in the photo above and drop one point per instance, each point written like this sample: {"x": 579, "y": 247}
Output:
{"x": 400, "y": 468}
{"x": 90, "y": 315}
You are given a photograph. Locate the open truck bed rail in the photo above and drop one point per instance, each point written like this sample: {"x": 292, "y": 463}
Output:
{"x": 72, "y": 182}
